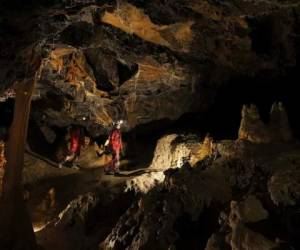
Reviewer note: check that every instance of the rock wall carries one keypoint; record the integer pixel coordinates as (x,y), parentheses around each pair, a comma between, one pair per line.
(171,151)
(245,190)
(138,61)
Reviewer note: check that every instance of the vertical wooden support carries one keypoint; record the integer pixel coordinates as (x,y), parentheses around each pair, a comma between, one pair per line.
(16,230)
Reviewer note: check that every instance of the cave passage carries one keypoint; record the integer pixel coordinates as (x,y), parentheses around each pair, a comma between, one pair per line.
(222,120)
(193,234)
(6,110)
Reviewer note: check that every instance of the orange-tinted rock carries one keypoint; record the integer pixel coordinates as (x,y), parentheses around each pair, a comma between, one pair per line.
(132,20)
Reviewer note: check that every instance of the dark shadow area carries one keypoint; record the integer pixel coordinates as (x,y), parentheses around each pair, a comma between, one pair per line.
(38,143)
(132,174)
(284,222)
(261,35)
(222,120)
(193,235)
(105,216)
(6,111)
(126,72)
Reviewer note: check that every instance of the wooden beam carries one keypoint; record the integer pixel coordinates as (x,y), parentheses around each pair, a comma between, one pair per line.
(16,230)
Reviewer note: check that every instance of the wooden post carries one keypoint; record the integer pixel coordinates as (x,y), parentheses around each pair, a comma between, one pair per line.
(16,230)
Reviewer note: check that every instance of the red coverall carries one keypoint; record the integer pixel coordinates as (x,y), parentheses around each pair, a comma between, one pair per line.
(115,142)
(77,140)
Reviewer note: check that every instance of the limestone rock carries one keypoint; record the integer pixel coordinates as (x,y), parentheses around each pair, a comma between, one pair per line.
(127,17)
(187,191)
(135,60)
(279,122)
(77,209)
(253,210)
(150,222)
(217,242)
(173,150)
(145,182)
(284,187)
(242,237)
(205,149)
(70,225)
(254,130)
(48,133)
(249,211)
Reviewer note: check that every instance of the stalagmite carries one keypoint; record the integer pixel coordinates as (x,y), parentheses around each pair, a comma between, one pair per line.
(254,130)
(279,122)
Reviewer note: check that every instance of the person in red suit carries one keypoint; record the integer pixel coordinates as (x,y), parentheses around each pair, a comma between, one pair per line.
(115,145)
(76,142)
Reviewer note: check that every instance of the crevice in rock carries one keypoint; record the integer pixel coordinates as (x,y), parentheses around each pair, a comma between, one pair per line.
(78,34)
(222,120)
(193,235)
(107,213)
(6,111)
(38,143)
(261,34)
(126,72)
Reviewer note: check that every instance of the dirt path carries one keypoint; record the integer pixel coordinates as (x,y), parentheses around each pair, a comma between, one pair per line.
(49,189)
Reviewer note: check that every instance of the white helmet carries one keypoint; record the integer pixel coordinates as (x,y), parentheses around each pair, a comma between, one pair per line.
(118,123)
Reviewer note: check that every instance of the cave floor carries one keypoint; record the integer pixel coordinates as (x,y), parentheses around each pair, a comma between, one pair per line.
(49,190)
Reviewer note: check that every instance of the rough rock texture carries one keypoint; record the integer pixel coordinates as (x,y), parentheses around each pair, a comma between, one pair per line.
(284,187)
(160,206)
(253,129)
(135,60)
(248,173)
(241,237)
(145,182)
(2,157)
(85,221)
(171,151)
(74,217)
(202,151)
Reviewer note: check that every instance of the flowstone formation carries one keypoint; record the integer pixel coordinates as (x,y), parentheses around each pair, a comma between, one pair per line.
(138,61)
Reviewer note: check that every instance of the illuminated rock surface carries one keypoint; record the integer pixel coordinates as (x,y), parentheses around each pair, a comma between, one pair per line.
(153,64)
